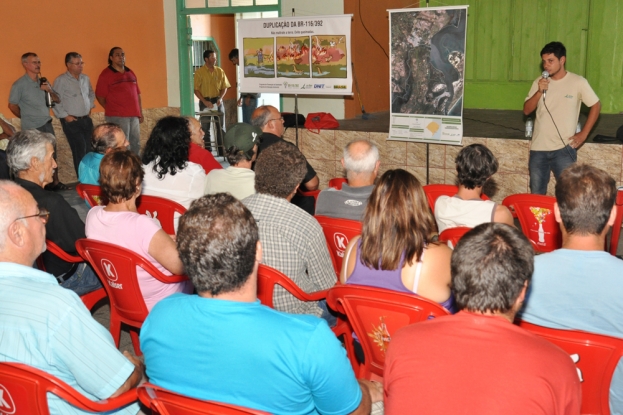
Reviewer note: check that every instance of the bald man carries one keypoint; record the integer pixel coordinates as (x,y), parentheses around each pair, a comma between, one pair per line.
(361,162)
(47,326)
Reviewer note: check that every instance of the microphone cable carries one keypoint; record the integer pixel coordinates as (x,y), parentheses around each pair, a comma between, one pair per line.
(575,159)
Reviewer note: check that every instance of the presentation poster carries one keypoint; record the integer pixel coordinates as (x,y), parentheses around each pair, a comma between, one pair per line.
(296,55)
(427,73)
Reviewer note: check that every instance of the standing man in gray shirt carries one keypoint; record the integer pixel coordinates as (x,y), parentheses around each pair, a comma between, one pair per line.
(27,101)
(77,99)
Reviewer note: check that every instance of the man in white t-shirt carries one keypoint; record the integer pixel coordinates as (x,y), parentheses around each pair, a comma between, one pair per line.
(475,164)
(557,99)
(240,150)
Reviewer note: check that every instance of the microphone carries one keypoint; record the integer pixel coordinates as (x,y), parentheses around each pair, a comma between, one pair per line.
(48,99)
(544,75)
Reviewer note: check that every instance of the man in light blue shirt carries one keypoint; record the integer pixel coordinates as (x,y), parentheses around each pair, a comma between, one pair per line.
(223,345)
(579,286)
(77,99)
(46,326)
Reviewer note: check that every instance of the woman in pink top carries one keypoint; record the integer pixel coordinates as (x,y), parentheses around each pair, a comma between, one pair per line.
(121,175)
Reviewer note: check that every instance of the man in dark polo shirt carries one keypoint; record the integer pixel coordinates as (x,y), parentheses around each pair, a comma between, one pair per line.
(27,101)
(118,92)
(269,119)
(30,158)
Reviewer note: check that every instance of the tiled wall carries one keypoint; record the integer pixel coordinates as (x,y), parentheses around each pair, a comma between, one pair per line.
(324,152)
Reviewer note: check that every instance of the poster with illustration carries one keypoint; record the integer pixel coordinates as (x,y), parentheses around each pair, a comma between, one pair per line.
(427,74)
(258,57)
(292,57)
(296,55)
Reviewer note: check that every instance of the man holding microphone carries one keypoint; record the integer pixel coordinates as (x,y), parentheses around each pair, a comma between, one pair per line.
(557,97)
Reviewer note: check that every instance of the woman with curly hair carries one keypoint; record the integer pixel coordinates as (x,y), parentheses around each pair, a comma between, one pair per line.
(168,173)
(396,250)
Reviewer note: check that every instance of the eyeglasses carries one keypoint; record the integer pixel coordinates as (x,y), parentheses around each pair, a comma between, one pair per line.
(77,63)
(275,119)
(43,214)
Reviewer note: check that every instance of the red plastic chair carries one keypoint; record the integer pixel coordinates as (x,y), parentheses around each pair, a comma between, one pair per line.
(451,236)
(116,268)
(536,216)
(433,191)
(91,194)
(375,314)
(616,227)
(268,277)
(164,402)
(89,299)
(338,233)
(595,356)
(163,210)
(337,182)
(23,390)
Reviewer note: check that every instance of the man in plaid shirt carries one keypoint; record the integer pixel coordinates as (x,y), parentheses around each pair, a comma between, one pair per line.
(292,239)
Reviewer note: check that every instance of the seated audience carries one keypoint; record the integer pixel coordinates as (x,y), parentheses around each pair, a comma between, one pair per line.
(121,175)
(269,119)
(292,239)
(232,349)
(196,152)
(168,173)
(240,150)
(477,361)
(578,287)
(105,137)
(396,250)
(475,164)
(361,162)
(30,157)
(46,326)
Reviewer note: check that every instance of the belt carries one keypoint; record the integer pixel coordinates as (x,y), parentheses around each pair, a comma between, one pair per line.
(67,275)
(79,117)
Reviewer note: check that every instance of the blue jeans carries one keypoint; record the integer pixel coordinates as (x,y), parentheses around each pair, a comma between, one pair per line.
(247,110)
(327,313)
(83,281)
(542,162)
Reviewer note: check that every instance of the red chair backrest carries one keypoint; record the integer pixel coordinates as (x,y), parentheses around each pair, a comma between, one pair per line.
(595,357)
(375,314)
(89,299)
(618,221)
(433,191)
(164,402)
(338,233)
(23,390)
(453,235)
(536,216)
(161,209)
(337,182)
(268,277)
(116,268)
(91,194)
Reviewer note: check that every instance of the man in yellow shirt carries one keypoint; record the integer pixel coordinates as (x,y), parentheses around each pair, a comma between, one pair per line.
(210,87)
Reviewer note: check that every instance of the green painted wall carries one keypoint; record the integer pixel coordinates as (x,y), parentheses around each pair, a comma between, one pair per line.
(504,38)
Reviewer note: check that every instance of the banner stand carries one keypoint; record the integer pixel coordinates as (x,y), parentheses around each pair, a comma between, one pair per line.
(296,117)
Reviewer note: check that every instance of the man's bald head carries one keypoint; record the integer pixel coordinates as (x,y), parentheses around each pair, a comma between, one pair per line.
(21,240)
(361,162)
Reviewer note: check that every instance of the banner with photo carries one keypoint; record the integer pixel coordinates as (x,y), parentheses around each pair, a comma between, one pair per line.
(296,55)
(427,72)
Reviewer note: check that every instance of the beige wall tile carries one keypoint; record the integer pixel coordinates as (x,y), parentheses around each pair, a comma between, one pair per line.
(512,155)
(506,184)
(325,169)
(606,157)
(437,156)
(416,155)
(474,140)
(419,173)
(318,146)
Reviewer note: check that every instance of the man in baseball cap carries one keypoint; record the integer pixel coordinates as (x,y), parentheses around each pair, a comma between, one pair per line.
(241,143)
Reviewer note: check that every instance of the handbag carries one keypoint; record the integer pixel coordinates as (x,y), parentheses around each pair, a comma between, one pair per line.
(317,121)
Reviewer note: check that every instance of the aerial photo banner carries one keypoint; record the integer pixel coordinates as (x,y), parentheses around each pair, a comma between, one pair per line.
(296,55)
(427,70)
